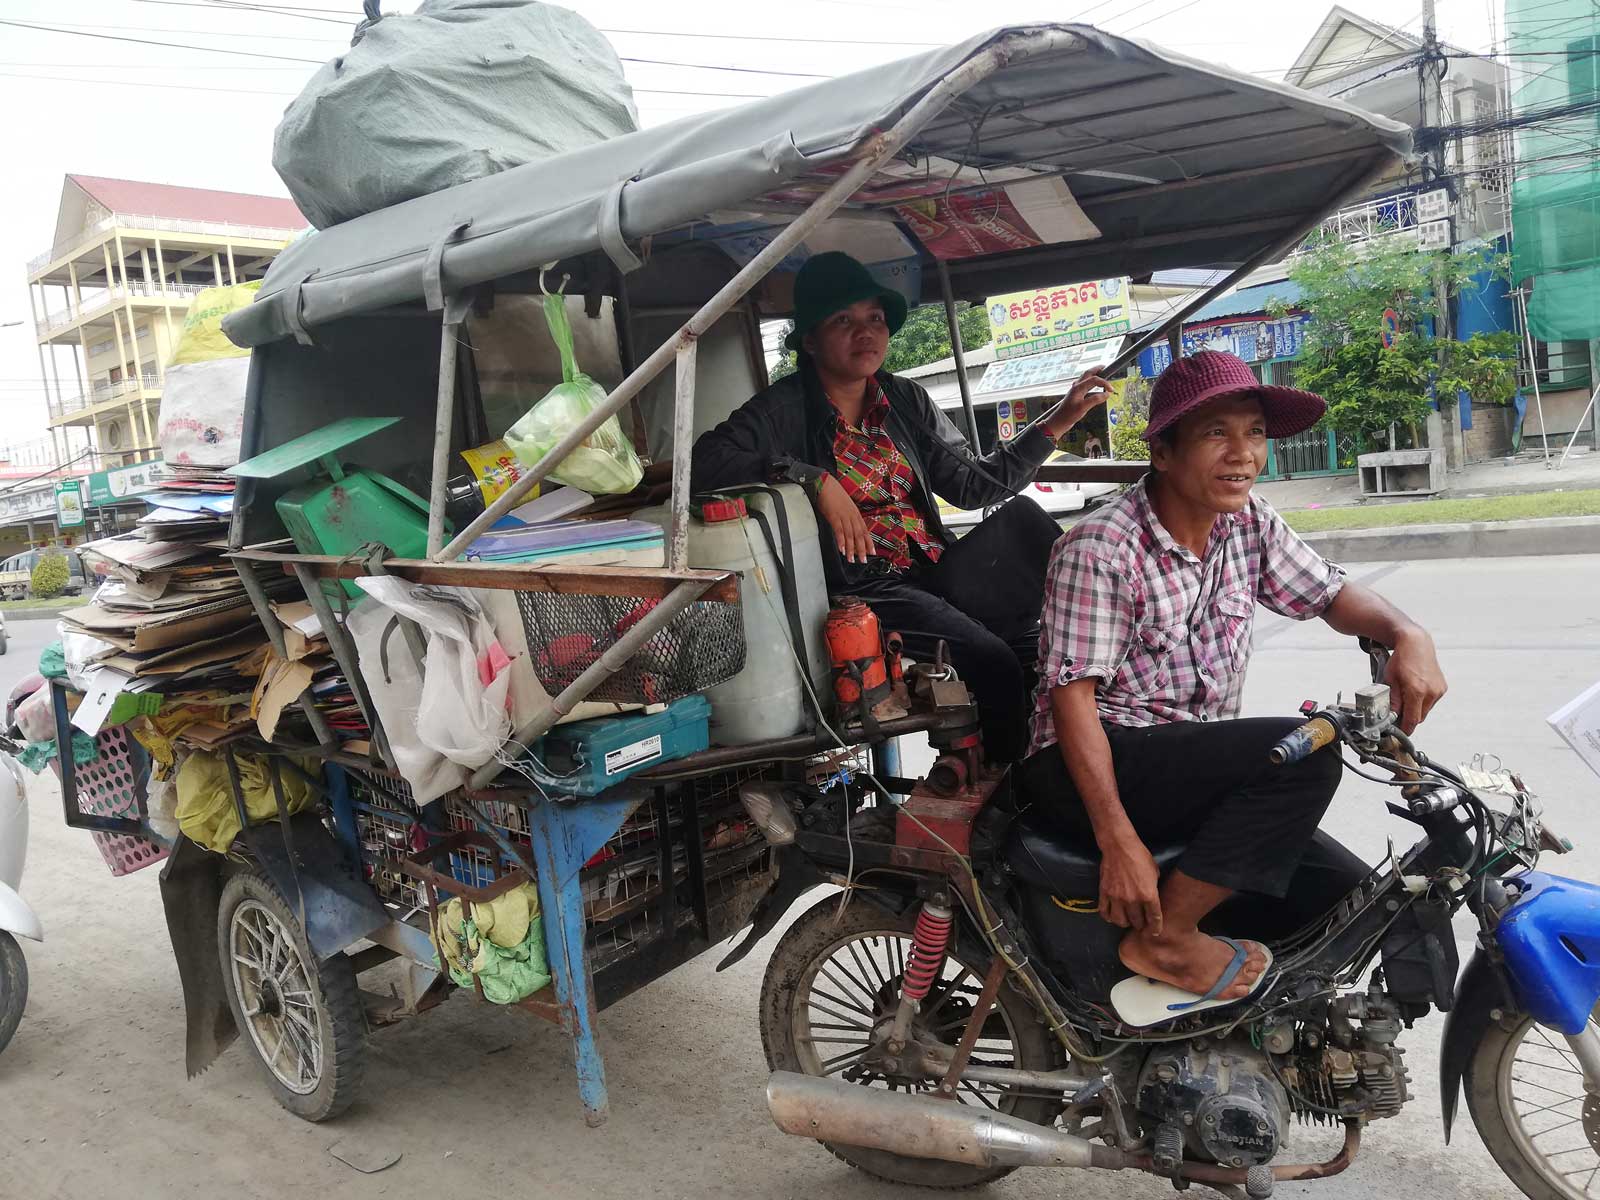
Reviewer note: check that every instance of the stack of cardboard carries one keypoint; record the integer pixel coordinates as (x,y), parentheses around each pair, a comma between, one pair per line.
(174,626)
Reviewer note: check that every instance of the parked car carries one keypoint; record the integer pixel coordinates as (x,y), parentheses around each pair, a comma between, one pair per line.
(1057,499)
(16,574)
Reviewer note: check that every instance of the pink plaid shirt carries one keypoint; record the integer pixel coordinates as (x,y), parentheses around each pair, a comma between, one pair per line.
(1166,633)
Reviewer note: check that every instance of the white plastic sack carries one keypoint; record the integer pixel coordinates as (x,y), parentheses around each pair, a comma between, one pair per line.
(202,412)
(36,716)
(447,716)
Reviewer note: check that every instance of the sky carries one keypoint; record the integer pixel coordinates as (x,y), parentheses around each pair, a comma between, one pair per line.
(202,113)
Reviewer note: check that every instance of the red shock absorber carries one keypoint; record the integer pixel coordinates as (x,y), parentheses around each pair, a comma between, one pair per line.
(928,942)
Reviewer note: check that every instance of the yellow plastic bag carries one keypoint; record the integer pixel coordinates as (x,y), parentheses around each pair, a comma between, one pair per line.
(202,339)
(205,810)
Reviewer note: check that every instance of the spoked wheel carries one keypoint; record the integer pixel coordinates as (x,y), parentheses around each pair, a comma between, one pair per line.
(1525,1091)
(828,998)
(301,1019)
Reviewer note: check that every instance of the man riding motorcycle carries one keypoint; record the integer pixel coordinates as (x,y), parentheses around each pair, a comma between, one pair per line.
(1146,638)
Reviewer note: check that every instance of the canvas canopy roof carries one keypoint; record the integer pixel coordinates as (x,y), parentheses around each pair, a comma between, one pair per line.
(1170,162)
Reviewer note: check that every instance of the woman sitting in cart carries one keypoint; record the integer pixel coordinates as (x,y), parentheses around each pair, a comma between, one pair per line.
(873,451)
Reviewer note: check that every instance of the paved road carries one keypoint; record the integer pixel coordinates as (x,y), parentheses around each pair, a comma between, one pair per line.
(481,1101)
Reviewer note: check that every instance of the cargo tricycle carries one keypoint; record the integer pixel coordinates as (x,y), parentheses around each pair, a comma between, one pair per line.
(940,1016)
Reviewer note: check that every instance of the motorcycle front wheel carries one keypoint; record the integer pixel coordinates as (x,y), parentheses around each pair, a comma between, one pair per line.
(13,986)
(1526,1095)
(832,982)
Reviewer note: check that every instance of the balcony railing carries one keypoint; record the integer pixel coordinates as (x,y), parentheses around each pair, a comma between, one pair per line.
(91,235)
(101,392)
(111,297)
(1418,218)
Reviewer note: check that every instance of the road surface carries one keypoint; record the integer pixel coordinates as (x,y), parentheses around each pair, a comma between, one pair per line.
(481,1102)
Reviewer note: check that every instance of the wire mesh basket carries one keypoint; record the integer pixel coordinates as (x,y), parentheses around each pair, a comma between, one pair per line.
(622,883)
(699,648)
(389,825)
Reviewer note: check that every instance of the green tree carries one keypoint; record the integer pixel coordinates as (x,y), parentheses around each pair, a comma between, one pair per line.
(1133,418)
(924,338)
(1347,287)
(49,576)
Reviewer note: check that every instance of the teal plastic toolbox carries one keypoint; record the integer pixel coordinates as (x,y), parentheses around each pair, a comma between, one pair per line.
(587,757)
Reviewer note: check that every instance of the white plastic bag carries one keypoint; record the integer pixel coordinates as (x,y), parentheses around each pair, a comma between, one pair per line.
(36,716)
(161,807)
(80,650)
(448,715)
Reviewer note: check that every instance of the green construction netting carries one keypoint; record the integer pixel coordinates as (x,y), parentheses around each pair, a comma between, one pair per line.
(1555,86)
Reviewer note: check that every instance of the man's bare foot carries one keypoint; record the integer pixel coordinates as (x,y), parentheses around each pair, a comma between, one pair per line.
(1193,961)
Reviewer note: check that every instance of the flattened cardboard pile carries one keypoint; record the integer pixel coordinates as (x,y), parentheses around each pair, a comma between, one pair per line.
(173,622)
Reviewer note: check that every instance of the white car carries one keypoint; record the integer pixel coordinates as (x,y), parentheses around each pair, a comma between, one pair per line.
(1057,499)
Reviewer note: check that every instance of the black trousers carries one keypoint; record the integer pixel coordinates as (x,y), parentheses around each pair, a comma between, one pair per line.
(999,674)
(1247,824)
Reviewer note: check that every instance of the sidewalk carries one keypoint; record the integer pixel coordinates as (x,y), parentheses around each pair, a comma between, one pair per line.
(1501,477)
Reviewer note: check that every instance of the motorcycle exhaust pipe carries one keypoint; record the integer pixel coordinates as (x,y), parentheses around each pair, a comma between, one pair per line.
(832,1110)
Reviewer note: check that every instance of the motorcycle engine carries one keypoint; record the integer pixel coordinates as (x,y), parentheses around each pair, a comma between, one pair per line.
(1216,1097)
(1347,1065)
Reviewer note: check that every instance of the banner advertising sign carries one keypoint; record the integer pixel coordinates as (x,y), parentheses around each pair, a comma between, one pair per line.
(69,503)
(1047,319)
(122,483)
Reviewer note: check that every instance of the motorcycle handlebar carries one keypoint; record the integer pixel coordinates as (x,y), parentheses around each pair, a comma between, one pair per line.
(1303,742)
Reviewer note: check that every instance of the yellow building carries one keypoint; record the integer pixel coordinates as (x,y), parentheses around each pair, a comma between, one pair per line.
(113,290)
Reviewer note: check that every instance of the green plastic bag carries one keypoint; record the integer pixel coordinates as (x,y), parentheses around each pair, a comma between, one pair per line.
(500,943)
(604,462)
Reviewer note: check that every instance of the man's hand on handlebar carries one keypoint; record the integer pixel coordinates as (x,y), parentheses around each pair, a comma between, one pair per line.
(1416,682)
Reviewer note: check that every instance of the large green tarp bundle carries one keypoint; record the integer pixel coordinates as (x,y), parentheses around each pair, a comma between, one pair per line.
(1555,51)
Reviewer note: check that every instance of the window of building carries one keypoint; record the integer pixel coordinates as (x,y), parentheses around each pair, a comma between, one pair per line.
(1277,374)
(105,347)
(1562,365)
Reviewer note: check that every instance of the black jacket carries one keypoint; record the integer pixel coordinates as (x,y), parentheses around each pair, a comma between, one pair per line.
(785,434)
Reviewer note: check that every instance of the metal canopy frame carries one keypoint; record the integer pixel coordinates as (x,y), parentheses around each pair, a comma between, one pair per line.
(680,349)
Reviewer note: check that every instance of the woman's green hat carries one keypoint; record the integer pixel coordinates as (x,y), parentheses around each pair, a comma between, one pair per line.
(834,281)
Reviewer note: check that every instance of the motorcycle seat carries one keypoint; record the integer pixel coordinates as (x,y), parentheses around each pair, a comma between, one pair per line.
(1066,866)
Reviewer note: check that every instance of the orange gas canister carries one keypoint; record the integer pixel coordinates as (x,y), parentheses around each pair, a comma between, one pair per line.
(855,649)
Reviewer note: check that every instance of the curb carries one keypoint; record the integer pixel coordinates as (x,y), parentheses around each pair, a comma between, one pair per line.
(1477,539)
(34,614)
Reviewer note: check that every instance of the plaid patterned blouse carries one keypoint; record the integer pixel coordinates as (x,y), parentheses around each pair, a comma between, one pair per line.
(877,477)
(1167,633)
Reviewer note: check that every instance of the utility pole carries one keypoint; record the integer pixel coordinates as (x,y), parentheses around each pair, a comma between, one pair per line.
(1444,426)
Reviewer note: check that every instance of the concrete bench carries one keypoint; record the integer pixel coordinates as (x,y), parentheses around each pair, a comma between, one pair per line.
(1401,472)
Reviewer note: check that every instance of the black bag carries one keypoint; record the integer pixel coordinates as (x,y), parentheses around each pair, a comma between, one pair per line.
(995,574)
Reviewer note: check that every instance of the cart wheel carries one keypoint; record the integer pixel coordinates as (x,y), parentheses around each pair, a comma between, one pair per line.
(301,1019)
(13,986)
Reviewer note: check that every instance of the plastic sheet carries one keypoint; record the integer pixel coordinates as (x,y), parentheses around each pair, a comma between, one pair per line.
(457,90)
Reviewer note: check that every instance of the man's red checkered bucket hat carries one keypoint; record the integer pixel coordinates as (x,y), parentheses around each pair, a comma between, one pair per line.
(1211,374)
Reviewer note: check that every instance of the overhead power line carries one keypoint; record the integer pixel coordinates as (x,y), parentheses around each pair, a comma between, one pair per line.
(112,37)
(199,87)
(271,10)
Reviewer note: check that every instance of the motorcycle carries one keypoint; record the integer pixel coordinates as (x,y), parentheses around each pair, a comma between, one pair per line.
(948,1017)
(16,918)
